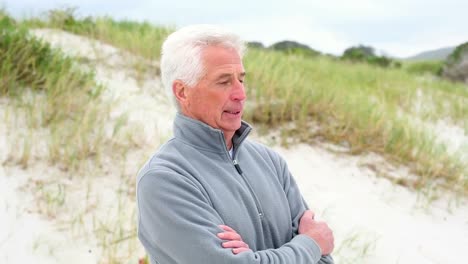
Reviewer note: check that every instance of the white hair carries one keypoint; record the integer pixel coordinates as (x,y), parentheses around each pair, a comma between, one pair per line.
(181,53)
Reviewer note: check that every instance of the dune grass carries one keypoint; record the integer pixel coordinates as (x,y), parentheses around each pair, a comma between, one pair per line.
(368,108)
(424,67)
(139,38)
(51,93)
(355,247)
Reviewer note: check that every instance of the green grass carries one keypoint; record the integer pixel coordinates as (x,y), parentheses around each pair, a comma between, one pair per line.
(51,92)
(424,67)
(139,38)
(370,108)
(356,247)
(62,108)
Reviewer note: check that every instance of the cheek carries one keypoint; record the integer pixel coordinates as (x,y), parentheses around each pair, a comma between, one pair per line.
(204,106)
(209,102)
(216,100)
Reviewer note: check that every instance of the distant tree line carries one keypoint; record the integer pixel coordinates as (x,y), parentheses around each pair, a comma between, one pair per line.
(455,67)
(288,47)
(358,54)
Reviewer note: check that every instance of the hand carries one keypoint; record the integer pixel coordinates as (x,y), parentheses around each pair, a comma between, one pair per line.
(318,231)
(234,240)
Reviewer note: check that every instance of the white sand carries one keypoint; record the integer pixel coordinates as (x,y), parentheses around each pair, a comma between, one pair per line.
(27,236)
(114,69)
(445,131)
(390,220)
(373,220)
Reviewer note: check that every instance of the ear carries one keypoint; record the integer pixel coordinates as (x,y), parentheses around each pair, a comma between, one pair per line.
(180,91)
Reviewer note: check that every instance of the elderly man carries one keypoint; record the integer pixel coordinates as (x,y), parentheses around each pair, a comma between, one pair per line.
(210,195)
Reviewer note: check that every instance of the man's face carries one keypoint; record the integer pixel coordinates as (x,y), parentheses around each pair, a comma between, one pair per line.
(218,98)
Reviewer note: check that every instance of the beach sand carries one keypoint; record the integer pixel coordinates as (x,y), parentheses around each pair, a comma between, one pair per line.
(50,216)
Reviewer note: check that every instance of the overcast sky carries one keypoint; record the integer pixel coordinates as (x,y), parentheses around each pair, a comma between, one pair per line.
(397,27)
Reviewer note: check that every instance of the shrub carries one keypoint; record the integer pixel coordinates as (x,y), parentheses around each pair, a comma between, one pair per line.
(295,48)
(456,65)
(255,44)
(366,54)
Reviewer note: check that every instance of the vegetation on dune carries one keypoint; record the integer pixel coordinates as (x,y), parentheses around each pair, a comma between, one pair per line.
(425,67)
(28,62)
(64,98)
(456,66)
(142,39)
(453,68)
(294,48)
(457,54)
(292,89)
(367,54)
(371,109)
(55,113)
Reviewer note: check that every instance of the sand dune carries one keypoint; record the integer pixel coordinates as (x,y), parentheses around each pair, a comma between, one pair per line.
(374,221)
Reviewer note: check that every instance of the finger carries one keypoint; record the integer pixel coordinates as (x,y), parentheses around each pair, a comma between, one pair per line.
(235,244)
(308,214)
(312,214)
(229,236)
(227,228)
(239,250)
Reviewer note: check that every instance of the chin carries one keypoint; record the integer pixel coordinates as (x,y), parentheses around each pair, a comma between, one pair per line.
(232,127)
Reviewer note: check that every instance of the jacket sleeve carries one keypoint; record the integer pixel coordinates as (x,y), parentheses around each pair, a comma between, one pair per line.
(177,224)
(297,204)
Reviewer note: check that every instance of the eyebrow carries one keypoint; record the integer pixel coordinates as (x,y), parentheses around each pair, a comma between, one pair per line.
(228,75)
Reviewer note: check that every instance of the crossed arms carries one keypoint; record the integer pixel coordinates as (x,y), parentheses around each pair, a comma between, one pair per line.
(182,227)
(317,230)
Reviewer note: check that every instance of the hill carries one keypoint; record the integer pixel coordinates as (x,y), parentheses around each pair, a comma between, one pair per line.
(437,54)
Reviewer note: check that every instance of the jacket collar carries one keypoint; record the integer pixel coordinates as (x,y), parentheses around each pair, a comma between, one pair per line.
(203,136)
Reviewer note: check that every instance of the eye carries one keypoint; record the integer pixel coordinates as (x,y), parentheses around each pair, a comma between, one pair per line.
(241,80)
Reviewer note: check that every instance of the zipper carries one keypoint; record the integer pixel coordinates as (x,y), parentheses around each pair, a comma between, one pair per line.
(257,202)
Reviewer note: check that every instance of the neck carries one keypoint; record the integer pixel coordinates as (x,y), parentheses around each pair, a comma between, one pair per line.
(228,138)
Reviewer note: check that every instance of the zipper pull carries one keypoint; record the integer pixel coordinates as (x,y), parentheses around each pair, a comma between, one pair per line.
(237,166)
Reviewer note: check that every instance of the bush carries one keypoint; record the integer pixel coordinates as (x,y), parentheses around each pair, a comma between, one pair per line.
(456,65)
(457,54)
(359,53)
(366,54)
(255,45)
(295,48)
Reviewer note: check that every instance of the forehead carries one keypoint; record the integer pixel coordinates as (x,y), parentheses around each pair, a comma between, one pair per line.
(221,59)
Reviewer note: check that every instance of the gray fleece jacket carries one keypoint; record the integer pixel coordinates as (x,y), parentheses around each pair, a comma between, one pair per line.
(192,185)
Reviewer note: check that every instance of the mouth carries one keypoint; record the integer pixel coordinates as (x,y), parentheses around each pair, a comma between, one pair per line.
(232,113)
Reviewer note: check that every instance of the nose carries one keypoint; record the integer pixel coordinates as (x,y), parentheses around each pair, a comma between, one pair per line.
(238,91)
